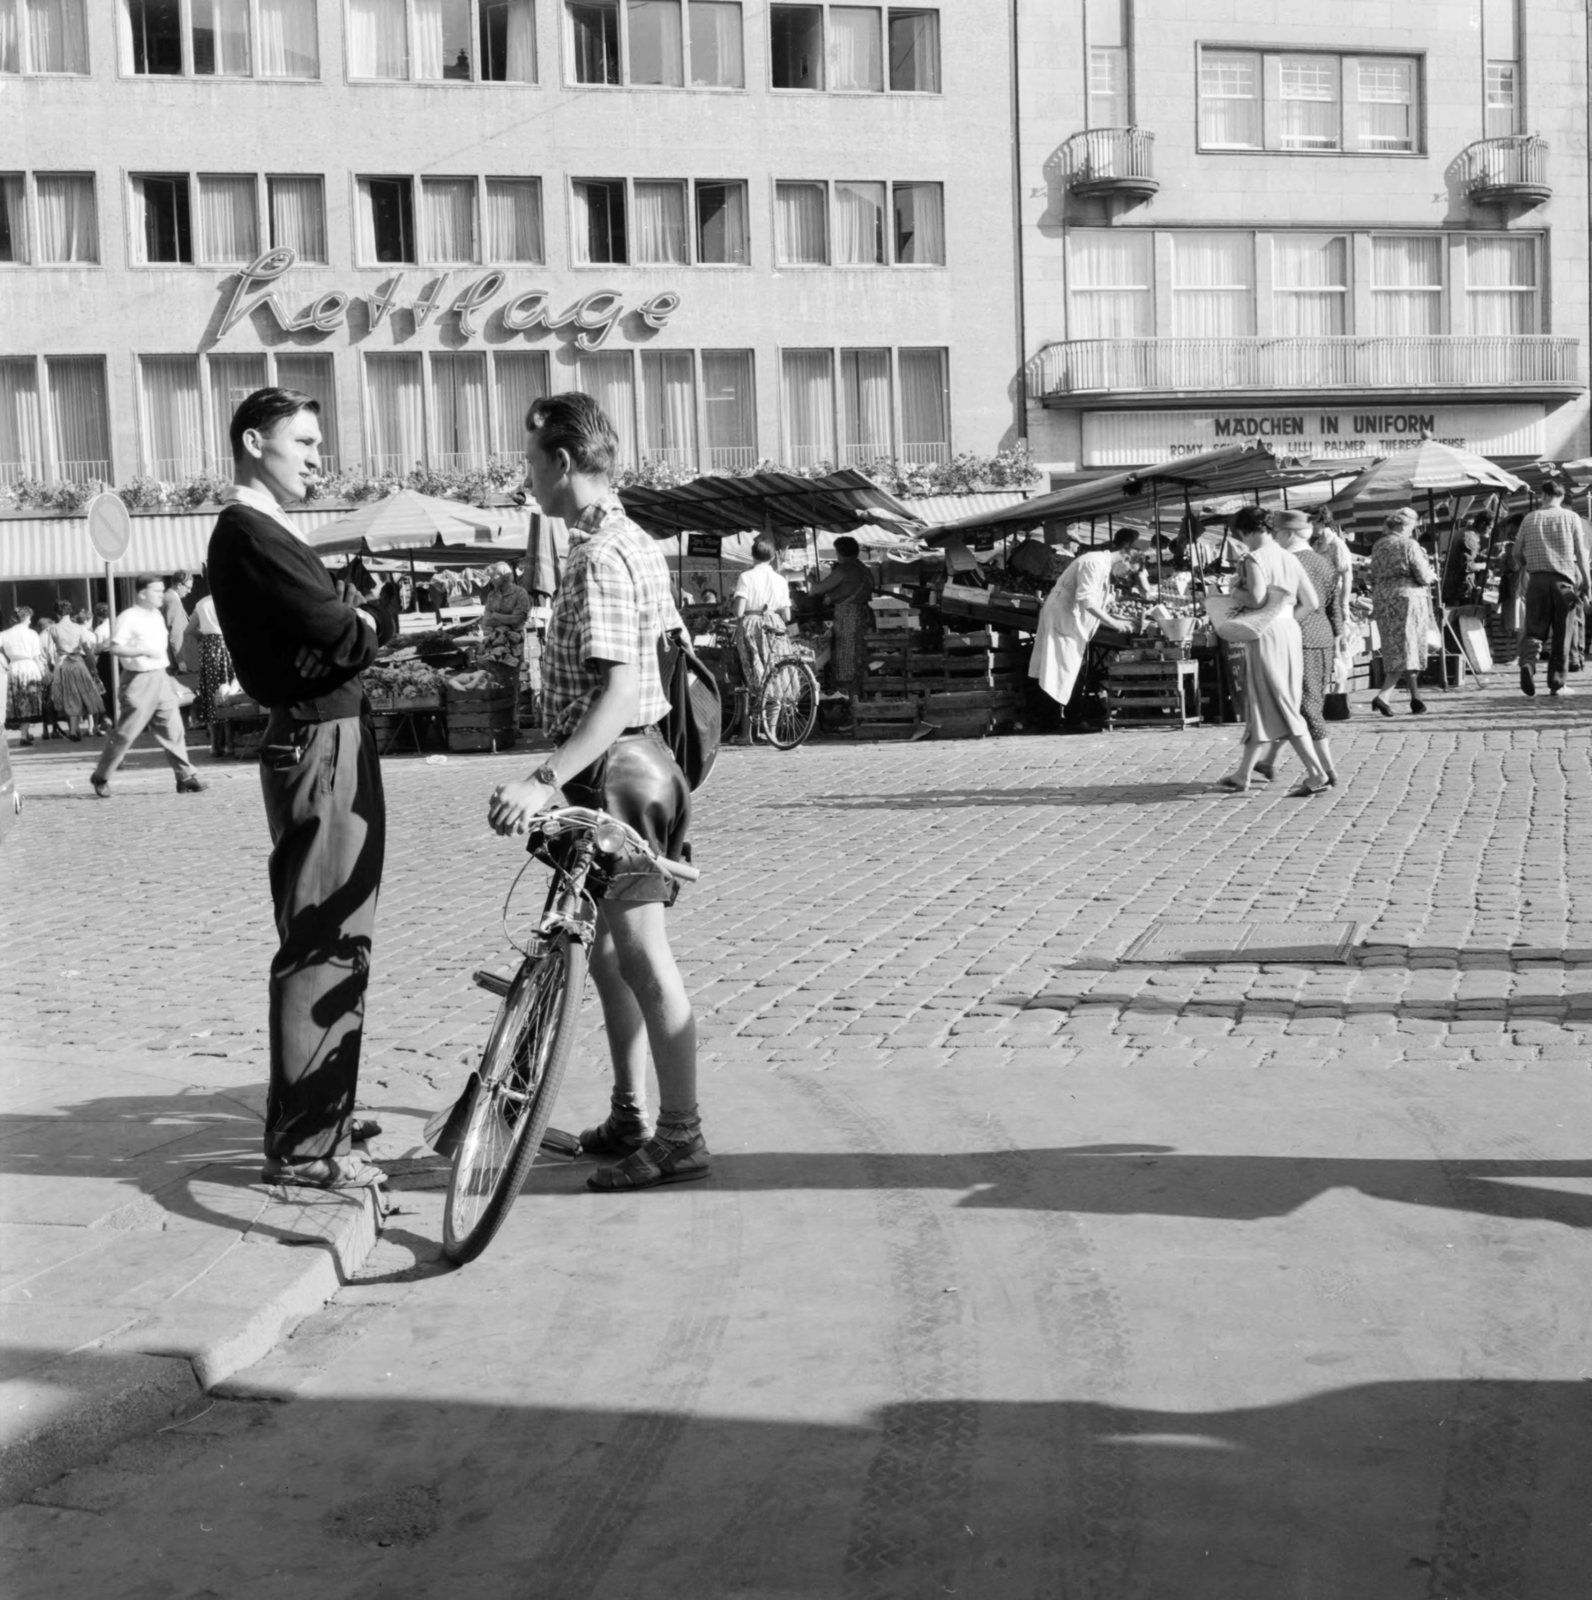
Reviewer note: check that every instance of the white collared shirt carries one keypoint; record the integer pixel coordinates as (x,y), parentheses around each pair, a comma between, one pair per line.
(258,500)
(145,630)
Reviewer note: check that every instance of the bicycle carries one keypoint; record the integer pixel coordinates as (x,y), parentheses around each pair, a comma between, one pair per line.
(509,1100)
(782,705)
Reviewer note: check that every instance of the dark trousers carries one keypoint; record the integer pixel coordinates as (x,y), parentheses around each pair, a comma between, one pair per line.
(328,820)
(1550,602)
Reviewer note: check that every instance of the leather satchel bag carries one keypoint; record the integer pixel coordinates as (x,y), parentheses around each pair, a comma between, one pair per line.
(1240,625)
(694,722)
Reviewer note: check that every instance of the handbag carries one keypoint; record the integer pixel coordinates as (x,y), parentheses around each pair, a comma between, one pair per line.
(1244,626)
(1335,707)
(694,722)
(185,697)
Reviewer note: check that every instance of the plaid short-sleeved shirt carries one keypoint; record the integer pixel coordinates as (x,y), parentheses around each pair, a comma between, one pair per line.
(612,604)
(1551,541)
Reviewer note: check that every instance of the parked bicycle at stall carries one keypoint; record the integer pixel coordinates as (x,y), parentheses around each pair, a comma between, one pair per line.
(780,705)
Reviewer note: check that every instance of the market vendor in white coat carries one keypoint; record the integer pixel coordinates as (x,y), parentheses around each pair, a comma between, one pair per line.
(1075,610)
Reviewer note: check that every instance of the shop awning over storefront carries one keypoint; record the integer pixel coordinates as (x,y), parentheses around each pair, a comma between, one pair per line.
(781,501)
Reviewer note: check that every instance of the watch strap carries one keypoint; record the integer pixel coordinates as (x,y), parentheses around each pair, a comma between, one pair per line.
(545,774)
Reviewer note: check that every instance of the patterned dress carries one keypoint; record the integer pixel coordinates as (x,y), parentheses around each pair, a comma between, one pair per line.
(24,656)
(1400,604)
(74,689)
(1319,635)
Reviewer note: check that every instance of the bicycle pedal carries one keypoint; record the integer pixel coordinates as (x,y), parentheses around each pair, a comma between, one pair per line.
(555,1142)
(493,982)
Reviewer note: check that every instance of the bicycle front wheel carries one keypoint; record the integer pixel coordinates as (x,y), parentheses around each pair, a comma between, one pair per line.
(521,1069)
(787,709)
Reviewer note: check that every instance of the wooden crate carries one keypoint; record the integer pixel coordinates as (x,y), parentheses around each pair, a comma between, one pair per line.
(1153,694)
(485,723)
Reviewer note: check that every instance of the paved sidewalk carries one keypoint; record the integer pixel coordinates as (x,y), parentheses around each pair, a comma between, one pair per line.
(888,913)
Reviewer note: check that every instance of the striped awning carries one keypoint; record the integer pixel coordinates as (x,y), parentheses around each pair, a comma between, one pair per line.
(932,510)
(784,502)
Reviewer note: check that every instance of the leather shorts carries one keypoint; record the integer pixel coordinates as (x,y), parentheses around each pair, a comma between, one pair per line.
(638,782)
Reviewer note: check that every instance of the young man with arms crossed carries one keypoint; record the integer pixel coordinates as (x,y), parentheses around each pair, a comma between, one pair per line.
(298,642)
(604,697)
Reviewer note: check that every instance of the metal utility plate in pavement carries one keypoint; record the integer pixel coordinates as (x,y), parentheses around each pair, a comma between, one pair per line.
(1211,943)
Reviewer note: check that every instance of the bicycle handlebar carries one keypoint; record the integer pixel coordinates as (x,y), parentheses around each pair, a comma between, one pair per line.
(581,817)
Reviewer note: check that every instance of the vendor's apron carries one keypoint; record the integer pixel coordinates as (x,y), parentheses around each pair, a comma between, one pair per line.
(1061,642)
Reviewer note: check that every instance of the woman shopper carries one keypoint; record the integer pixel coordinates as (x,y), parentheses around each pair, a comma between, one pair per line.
(74,688)
(23,651)
(1274,663)
(848,586)
(761,608)
(215,664)
(1401,606)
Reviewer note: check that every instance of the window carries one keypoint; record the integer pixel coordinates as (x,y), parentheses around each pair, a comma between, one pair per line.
(801,234)
(807,394)
(13,218)
(220,38)
(442,41)
(609,378)
(925,406)
(68,217)
(658,43)
(173,417)
(514,220)
(721,224)
(919,224)
(43,36)
(1213,285)
(1310,284)
(915,52)
(315,375)
(1503,99)
(796,46)
(519,377)
(297,208)
(386,221)
(1501,285)
(668,407)
(80,426)
(660,236)
(160,219)
(229,232)
(232,380)
(1110,283)
(864,406)
(21,441)
(1407,283)
(729,409)
(859,224)
(1260,100)
(395,429)
(447,220)
(856,55)
(1108,88)
(598,222)
(458,410)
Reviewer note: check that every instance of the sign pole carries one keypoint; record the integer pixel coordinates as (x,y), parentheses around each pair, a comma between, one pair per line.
(116,663)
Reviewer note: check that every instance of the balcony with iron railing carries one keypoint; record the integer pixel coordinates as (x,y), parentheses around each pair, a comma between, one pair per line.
(1103,369)
(1512,170)
(1107,163)
(732,457)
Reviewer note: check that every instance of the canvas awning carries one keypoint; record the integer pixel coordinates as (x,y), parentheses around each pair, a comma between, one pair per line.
(784,502)
(426,527)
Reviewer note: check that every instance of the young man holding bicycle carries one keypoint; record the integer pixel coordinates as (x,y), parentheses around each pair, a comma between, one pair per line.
(603,697)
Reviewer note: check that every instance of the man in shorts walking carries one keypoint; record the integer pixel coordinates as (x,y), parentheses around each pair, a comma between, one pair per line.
(603,697)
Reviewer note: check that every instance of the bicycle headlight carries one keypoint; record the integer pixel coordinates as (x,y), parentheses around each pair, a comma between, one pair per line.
(552,828)
(610,838)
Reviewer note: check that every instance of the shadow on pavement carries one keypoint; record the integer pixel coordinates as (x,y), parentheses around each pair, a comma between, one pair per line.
(1086,794)
(1375,1491)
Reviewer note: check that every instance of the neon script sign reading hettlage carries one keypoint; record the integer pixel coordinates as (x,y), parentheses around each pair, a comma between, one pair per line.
(593,316)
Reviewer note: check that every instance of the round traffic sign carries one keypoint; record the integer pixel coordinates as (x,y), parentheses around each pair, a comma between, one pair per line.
(110,529)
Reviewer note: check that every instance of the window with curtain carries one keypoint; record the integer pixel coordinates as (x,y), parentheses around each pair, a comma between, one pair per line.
(1384,111)
(21,438)
(925,405)
(152,37)
(447,219)
(721,224)
(729,410)
(807,397)
(395,430)
(441,40)
(290,44)
(315,375)
(1230,104)
(1308,116)
(656,49)
(598,222)
(161,225)
(1407,283)
(297,207)
(1110,283)
(1502,99)
(859,224)
(609,378)
(1213,285)
(856,55)
(80,413)
(801,235)
(232,380)
(458,410)
(796,46)
(593,40)
(220,38)
(378,39)
(173,417)
(919,224)
(659,233)
(915,52)
(514,220)
(1501,285)
(518,378)
(717,55)
(864,406)
(386,221)
(1310,285)
(229,230)
(1108,87)
(508,41)
(43,36)
(668,407)
(13,218)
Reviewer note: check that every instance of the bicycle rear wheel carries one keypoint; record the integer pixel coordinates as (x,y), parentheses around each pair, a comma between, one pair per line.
(521,1069)
(787,709)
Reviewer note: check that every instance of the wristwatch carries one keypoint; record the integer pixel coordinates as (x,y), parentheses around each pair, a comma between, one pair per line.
(545,774)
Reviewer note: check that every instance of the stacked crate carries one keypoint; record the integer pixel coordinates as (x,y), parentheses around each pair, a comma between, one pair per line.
(479,721)
(957,686)
(1153,688)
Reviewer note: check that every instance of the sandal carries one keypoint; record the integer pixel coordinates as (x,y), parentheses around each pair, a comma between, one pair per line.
(339,1174)
(1305,790)
(1262,775)
(654,1163)
(362,1130)
(620,1134)
(1231,783)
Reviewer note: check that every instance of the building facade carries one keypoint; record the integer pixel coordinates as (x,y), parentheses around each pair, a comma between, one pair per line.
(757,232)
(1331,226)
